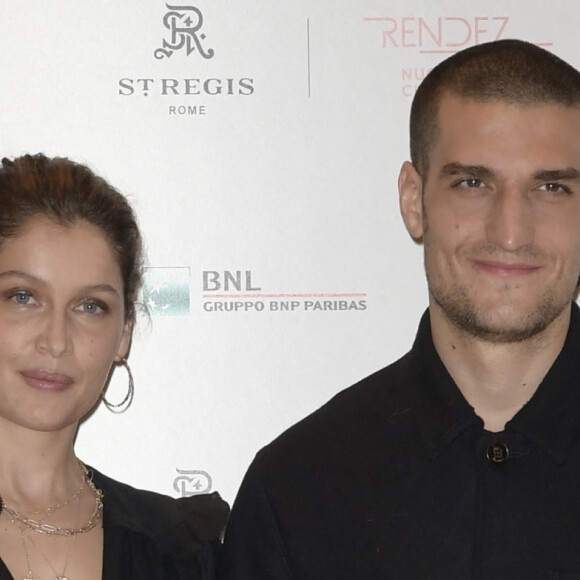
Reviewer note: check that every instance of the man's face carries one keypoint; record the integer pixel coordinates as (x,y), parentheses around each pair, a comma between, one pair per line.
(499,214)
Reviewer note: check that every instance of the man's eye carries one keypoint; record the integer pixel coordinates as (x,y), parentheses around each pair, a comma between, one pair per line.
(555,188)
(471,182)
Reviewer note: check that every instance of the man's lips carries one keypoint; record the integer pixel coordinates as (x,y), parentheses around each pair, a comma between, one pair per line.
(47,380)
(507,269)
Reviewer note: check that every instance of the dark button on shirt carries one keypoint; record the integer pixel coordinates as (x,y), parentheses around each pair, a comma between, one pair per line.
(389,480)
(497,452)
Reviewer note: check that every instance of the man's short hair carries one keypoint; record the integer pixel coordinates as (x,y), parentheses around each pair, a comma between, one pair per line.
(512,71)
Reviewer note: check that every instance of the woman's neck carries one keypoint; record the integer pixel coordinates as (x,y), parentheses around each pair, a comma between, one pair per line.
(37,469)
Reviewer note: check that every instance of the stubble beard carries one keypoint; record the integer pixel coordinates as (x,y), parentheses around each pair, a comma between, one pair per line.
(460,308)
(462,312)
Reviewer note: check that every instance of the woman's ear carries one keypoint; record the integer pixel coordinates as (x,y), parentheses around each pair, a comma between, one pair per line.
(411,200)
(125,342)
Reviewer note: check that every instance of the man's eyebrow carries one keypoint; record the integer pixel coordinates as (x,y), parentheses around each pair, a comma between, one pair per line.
(455,168)
(568,174)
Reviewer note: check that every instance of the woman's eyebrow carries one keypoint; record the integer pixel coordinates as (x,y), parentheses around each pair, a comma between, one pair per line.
(20,274)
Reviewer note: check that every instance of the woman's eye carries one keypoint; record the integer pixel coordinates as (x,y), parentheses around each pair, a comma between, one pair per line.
(21,297)
(91,307)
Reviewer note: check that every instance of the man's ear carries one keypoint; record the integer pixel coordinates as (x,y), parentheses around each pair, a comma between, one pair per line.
(411,200)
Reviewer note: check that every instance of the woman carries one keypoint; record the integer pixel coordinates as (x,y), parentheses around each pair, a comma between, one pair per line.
(70,270)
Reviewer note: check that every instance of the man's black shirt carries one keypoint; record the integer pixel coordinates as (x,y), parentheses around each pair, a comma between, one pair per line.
(396,478)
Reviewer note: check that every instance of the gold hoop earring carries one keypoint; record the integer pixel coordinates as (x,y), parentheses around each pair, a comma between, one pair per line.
(126,402)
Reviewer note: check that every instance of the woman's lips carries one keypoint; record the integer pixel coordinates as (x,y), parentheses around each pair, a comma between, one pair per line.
(47,380)
(506,268)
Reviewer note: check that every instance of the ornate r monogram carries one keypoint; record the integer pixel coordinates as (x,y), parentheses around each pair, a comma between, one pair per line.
(183,23)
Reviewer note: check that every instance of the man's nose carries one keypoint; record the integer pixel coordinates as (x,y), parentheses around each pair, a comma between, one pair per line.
(510,221)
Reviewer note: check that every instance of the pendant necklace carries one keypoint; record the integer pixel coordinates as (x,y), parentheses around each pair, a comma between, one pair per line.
(57,576)
(73,536)
(26,524)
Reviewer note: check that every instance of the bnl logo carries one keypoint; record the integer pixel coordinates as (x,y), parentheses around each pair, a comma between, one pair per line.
(183,24)
(166,291)
(228,280)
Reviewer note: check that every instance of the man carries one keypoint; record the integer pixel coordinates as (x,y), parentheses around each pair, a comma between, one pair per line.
(462,459)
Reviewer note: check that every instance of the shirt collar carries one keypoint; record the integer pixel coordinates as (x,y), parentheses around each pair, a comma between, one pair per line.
(441,410)
(550,419)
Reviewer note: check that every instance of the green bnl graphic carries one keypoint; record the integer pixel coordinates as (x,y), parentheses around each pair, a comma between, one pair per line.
(166,291)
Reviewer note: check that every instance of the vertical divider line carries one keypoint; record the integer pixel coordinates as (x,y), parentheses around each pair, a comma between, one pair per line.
(308,51)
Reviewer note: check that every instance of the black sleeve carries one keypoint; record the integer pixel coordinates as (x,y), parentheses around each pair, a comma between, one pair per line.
(254,547)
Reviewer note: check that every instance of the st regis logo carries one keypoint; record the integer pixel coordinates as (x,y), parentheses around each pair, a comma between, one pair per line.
(184,24)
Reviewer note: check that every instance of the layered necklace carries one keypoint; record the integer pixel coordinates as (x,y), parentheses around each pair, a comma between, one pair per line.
(26,523)
(57,576)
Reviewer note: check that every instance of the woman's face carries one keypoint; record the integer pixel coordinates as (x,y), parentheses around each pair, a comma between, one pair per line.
(62,323)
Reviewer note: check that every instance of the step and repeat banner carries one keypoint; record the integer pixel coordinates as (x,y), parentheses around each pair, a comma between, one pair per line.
(260,144)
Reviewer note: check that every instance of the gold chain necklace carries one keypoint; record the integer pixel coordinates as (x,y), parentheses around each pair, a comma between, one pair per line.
(48,529)
(52,508)
(57,576)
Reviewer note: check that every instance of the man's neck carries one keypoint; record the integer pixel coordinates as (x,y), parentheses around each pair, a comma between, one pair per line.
(497,379)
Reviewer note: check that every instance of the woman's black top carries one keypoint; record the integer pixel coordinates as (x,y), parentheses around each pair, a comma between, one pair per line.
(149,536)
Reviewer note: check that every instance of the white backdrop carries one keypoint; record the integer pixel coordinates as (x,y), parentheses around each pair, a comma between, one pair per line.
(264,152)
